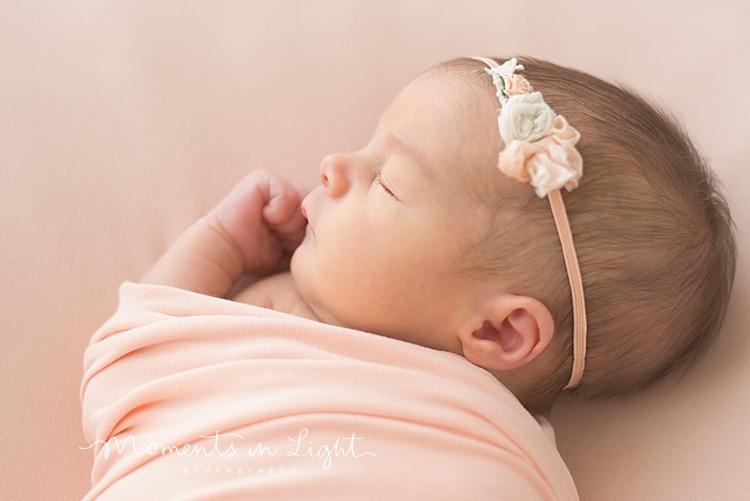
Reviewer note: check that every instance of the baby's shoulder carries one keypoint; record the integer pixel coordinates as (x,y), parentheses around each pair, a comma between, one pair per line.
(277,292)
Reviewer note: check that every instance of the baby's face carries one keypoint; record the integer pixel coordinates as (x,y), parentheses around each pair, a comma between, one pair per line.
(390,224)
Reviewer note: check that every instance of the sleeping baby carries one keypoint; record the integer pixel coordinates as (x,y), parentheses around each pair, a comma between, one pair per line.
(512,231)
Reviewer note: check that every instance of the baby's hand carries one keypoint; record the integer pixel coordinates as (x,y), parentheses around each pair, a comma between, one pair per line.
(254,229)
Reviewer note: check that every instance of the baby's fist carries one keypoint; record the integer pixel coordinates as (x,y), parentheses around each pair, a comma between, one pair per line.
(254,230)
(261,218)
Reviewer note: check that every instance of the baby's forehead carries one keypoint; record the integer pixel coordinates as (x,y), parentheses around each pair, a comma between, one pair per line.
(450,98)
(471,107)
(447,117)
(469,94)
(470,86)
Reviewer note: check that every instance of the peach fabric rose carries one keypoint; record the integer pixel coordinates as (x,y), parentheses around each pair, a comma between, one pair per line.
(516,84)
(551,163)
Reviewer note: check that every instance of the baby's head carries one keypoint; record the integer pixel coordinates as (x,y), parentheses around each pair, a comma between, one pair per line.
(420,237)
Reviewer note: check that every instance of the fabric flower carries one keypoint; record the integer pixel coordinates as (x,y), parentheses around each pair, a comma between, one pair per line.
(500,75)
(551,163)
(525,117)
(507,68)
(516,84)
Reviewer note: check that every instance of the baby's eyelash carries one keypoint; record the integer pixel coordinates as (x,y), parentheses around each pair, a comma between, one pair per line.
(377,180)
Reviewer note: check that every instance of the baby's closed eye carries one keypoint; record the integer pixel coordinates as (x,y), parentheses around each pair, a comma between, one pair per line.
(379,181)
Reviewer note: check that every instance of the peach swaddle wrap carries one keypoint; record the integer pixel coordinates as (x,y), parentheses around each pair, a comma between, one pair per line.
(189,397)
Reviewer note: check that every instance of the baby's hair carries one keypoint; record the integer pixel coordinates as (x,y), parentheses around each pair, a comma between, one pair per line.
(653,234)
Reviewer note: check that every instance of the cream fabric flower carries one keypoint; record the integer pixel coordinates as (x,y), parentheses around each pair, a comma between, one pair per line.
(551,163)
(525,117)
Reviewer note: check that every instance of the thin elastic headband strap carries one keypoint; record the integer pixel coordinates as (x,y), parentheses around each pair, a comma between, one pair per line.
(570,256)
(576,286)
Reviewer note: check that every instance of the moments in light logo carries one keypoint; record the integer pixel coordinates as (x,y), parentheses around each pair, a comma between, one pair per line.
(301,446)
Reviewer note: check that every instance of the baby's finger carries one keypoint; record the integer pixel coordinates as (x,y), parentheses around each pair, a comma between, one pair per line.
(240,215)
(212,255)
(283,213)
(284,201)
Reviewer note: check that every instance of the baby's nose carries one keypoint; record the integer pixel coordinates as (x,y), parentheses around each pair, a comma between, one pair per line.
(334,173)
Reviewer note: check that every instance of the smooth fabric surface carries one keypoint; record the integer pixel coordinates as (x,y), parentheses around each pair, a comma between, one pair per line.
(275,398)
(123,122)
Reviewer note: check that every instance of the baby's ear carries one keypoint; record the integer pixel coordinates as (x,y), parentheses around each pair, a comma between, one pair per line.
(508,332)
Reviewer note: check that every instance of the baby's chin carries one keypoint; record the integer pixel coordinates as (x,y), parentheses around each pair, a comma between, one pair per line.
(299,271)
(305,285)
(294,267)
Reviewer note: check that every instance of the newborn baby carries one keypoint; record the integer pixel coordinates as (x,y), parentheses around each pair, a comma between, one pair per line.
(420,237)
(452,278)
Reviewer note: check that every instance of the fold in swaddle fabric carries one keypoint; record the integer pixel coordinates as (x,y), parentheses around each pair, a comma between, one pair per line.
(192,397)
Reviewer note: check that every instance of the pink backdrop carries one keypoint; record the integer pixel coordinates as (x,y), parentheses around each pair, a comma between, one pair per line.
(123,122)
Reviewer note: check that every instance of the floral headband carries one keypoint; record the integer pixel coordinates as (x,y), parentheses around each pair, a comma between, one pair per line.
(540,150)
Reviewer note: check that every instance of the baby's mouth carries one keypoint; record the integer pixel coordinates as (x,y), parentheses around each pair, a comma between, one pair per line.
(304,213)
(303,209)
(303,205)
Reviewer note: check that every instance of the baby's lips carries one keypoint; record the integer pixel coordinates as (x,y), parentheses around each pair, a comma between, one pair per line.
(303,209)
(307,201)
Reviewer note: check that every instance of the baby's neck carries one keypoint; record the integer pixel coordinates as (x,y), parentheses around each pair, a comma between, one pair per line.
(277,292)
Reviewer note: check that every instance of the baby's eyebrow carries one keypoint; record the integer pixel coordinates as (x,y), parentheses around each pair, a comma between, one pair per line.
(394,143)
